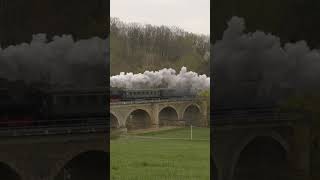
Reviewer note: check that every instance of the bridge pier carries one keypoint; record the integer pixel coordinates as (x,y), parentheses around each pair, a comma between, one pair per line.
(300,152)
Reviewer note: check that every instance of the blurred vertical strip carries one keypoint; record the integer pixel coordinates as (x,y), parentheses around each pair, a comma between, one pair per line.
(107,17)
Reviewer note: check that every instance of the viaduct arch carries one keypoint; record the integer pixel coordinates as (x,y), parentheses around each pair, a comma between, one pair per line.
(263,155)
(168,116)
(272,146)
(9,173)
(84,166)
(138,119)
(159,113)
(54,157)
(192,114)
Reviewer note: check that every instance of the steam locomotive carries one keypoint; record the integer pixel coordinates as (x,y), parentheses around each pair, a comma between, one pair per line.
(118,94)
(34,105)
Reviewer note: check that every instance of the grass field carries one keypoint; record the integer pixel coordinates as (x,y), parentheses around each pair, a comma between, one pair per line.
(135,158)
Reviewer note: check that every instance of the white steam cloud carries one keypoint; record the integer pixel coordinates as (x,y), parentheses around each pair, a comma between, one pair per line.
(62,60)
(164,78)
(261,58)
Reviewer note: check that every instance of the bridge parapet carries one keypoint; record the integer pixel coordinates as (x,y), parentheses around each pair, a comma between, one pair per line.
(254,116)
(54,127)
(155,101)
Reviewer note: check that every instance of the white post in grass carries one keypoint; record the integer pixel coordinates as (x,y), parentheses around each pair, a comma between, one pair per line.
(191,132)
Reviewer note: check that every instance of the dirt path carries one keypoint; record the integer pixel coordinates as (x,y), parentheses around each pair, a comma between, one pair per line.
(141,131)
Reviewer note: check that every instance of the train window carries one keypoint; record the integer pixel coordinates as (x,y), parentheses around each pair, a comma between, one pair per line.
(86,98)
(73,99)
(76,99)
(96,98)
(65,100)
(58,100)
(93,99)
(79,99)
(102,99)
(54,100)
(316,143)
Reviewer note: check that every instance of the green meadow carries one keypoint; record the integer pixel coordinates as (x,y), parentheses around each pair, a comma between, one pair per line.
(162,155)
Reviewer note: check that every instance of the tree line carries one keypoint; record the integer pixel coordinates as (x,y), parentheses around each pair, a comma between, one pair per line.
(137,47)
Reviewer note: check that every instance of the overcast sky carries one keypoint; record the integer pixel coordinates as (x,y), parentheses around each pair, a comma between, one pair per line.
(190,15)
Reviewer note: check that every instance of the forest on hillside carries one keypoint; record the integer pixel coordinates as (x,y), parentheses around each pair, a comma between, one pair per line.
(138,47)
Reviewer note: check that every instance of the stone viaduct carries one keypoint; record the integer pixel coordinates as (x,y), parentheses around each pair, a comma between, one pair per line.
(155,113)
(81,152)
(55,154)
(263,145)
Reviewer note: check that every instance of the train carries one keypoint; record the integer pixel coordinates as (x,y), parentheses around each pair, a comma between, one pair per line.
(122,94)
(41,105)
(32,105)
